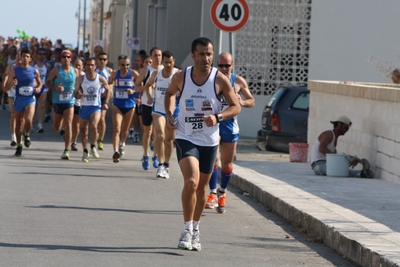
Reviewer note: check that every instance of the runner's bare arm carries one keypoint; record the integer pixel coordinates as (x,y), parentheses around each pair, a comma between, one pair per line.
(39,83)
(5,78)
(11,80)
(77,93)
(224,87)
(139,82)
(49,82)
(242,88)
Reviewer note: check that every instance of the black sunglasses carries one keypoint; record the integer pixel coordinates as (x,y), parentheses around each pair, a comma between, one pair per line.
(124,65)
(224,65)
(42,54)
(66,57)
(102,58)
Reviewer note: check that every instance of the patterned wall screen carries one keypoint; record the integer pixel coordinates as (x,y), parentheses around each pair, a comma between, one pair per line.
(273,47)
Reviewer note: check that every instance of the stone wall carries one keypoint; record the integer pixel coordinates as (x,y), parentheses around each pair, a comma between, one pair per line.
(375,112)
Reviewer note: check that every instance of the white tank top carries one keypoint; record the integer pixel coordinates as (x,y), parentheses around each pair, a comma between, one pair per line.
(43,72)
(91,90)
(316,155)
(195,102)
(144,97)
(162,84)
(11,61)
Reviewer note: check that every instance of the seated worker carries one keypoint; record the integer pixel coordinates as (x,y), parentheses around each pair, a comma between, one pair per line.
(396,76)
(326,144)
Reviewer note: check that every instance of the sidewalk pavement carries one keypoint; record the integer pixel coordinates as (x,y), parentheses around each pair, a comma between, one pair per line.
(359,218)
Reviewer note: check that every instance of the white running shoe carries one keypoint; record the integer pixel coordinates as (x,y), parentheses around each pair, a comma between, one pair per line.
(185,242)
(85,157)
(160,171)
(196,245)
(94,153)
(121,150)
(166,173)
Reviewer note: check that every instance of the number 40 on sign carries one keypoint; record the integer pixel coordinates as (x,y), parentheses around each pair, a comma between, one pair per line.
(229,15)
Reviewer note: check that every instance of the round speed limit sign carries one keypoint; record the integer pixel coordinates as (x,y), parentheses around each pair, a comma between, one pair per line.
(229,15)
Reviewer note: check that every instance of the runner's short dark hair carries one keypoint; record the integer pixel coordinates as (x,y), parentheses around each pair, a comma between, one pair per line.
(203,41)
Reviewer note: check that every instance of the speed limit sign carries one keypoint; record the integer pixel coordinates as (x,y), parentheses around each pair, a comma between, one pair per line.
(229,15)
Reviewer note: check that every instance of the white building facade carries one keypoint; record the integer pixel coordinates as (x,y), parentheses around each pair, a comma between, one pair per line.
(283,42)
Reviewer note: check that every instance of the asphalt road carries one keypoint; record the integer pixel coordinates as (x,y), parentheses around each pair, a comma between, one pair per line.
(69,213)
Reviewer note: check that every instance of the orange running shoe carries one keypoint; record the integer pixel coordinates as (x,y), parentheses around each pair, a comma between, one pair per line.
(221,202)
(212,201)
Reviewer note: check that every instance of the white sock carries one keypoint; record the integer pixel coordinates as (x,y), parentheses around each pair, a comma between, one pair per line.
(40,125)
(196,225)
(188,226)
(214,191)
(131,129)
(13,136)
(122,144)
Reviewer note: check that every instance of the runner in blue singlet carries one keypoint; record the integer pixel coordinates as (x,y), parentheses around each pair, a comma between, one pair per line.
(229,135)
(24,77)
(123,105)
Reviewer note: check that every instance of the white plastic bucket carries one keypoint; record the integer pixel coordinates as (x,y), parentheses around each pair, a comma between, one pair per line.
(337,165)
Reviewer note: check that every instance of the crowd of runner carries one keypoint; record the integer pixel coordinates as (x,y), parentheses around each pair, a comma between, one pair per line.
(75,90)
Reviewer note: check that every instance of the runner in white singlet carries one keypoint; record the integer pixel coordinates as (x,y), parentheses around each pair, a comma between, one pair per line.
(201,88)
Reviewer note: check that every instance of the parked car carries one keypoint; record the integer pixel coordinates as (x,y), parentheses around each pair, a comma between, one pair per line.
(285,118)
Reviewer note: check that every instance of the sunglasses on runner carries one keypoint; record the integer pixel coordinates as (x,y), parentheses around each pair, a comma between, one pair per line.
(124,65)
(224,65)
(66,57)
(102,58)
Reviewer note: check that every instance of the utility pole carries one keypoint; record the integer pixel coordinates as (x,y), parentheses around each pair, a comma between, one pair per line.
(135,22)
(79,22)
(101,19)
(84,25)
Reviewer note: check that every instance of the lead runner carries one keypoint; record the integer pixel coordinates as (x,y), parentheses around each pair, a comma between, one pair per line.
(201,87)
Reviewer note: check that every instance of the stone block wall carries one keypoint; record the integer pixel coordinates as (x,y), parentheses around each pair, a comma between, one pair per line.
(375,112)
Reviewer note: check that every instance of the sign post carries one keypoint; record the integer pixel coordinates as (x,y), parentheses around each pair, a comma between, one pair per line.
(229,16)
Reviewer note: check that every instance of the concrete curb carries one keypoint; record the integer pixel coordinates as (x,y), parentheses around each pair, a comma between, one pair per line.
(341,242)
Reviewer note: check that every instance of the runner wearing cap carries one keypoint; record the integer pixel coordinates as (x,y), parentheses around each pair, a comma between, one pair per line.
(62,83)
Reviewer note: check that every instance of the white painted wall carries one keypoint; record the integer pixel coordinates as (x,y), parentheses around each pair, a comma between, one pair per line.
(346,34)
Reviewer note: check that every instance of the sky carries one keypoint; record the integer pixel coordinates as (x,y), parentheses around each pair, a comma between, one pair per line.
(54,19)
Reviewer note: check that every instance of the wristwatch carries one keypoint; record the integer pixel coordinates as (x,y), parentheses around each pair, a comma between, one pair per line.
(218,117)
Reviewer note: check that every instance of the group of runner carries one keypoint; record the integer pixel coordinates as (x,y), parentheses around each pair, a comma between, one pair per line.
(80,91)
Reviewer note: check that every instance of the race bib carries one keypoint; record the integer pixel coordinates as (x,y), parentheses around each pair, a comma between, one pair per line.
(121,94)
(91,100)
(194,125)
(65,96)
(26,90)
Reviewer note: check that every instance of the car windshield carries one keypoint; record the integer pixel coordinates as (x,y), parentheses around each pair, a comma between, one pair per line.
(275,97)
